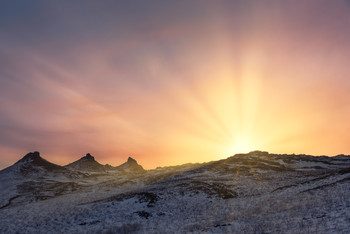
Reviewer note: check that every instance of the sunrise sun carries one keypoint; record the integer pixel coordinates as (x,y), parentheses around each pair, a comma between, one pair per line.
(242,146)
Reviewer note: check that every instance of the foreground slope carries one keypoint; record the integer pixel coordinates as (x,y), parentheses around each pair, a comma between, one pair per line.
(255,192)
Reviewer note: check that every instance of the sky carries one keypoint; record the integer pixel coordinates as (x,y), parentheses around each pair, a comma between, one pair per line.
(172,82)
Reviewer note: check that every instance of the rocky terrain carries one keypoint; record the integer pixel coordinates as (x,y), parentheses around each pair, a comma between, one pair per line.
(256,192)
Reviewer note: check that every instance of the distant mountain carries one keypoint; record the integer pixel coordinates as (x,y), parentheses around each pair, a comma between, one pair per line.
(87,163)
(130,166)
(33,178)
(33,163)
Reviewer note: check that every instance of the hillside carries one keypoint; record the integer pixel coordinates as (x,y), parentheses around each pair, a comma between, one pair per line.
(252,193)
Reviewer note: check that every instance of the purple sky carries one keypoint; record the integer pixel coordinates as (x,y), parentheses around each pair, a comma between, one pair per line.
(171,82)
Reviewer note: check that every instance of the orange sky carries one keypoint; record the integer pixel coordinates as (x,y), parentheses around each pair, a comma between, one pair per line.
(170,83)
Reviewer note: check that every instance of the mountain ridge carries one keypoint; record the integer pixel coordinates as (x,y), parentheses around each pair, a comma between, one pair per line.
(91,159)
(85,163)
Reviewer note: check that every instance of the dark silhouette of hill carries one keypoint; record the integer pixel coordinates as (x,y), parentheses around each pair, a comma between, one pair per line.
(86,163)
(131,166)
(33,163)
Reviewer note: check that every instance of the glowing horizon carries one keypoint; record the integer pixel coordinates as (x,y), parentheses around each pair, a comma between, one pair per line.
(170,82)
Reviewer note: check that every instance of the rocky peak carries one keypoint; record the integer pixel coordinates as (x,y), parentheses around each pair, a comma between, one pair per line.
(131,166)
(131,160)
(31,156)
(88,157)
(34,163)
(87,163)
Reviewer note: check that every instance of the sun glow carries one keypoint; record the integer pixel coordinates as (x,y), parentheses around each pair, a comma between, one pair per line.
(219,81)
(242,146)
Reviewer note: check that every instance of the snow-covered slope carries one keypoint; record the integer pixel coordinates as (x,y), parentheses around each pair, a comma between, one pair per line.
(247,193)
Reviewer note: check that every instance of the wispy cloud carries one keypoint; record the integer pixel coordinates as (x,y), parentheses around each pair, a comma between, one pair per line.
(172,81)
